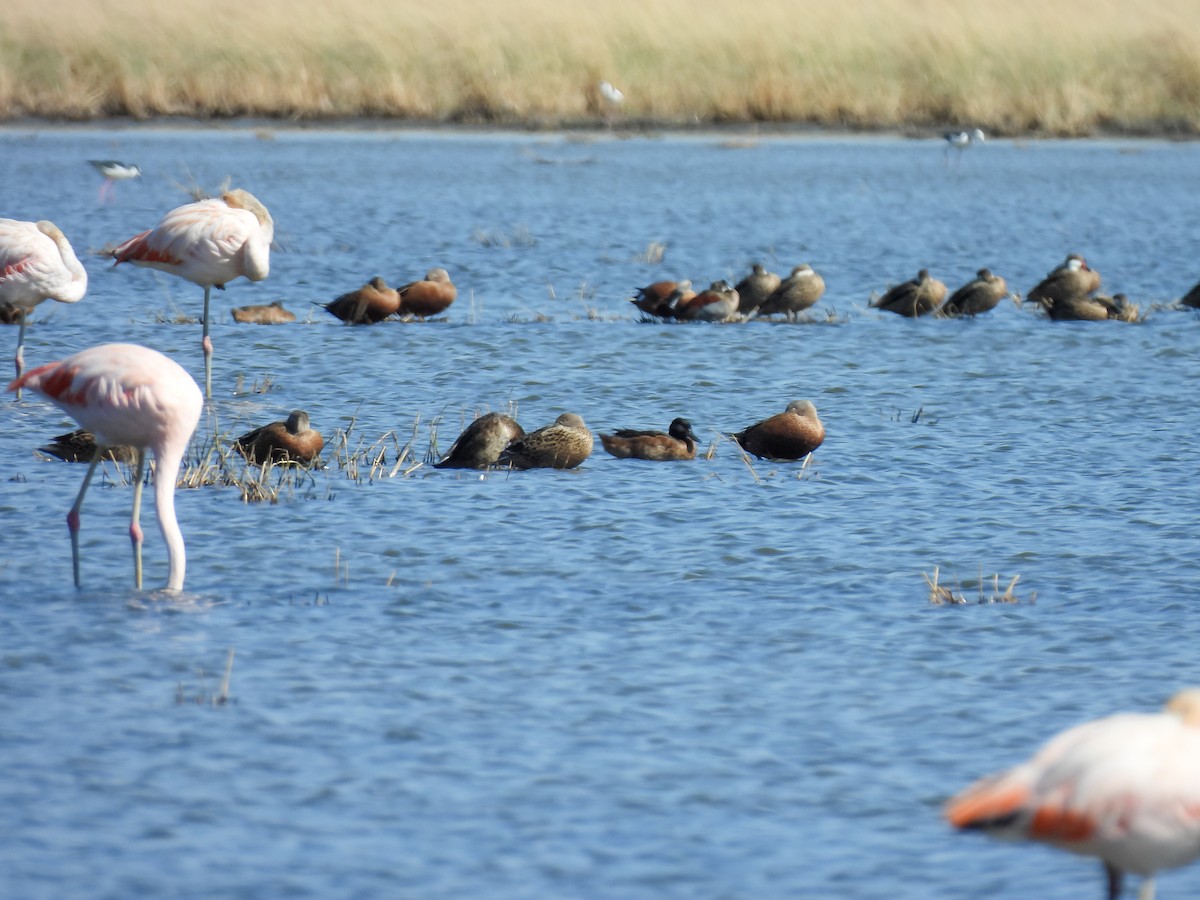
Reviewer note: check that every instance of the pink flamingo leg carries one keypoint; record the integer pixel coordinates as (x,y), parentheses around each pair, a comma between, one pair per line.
(206,343)
(135,526)
(19,359)
(73,515)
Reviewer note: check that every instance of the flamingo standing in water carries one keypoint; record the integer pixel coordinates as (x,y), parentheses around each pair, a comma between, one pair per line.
(36,263)
(128,394)
(1125,788)
(209,243)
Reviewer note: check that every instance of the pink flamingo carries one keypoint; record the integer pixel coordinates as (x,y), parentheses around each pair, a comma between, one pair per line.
(1125,788)
(127,394)
(209,243)
(36,263)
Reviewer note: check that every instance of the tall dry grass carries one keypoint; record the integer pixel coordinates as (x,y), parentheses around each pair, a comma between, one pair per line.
(1059,66)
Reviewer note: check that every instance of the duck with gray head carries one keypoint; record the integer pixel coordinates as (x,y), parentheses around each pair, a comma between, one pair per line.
(562,445)
(918,297)
(293,441)
(679,442)
(371,303)
(482,442)
(789,435)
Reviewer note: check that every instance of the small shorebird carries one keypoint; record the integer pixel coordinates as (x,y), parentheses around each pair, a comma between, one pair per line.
(131,395)
(292,441)
(113,171)
(209,243)
(961,140)
(791,434)
(562,445)
(482,442)
(1124,789)
(679,442)
(37,263)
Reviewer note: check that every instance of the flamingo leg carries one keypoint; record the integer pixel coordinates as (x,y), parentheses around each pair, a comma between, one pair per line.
(135,526)
(73,515)
(19,359)
(1147,891)
(206,343)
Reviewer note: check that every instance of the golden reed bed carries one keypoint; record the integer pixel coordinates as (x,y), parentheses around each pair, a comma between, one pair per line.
(1015,66)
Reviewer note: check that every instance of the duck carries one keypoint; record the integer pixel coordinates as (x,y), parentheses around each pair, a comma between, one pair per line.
(755,288)
(982,294)
(918,297)
(430,297)
(267,314)
(679,442)
(1099,308)
(1192,298)
(291,441)
(791,434)
(658,299)
(1064,285)
(80,446)
(718,303)
(562,445)
(482,442)
(371,303)
(796,293)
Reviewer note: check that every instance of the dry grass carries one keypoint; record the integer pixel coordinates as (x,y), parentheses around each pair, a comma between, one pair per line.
(1061,66)
(940,594)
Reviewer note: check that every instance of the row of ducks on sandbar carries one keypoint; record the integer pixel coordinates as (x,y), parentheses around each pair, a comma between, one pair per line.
(497,440)
(1068,292)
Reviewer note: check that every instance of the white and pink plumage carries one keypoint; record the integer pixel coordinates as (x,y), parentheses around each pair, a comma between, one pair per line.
(1124,789)
(132,395)
(37,263)
(209,243)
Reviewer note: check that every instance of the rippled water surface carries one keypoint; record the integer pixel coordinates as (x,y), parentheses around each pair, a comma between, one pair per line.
(692,680)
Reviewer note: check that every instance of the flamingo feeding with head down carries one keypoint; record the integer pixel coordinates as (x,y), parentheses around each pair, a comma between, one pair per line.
(209,243)
(37,263)
(1125,789)
(128,394)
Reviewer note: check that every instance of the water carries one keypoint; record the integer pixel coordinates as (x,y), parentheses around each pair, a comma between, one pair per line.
(635,679)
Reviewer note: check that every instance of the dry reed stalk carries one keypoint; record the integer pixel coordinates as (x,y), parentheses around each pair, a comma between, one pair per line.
(940,594)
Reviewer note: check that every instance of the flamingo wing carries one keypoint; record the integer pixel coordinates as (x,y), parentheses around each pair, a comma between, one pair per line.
(202,242)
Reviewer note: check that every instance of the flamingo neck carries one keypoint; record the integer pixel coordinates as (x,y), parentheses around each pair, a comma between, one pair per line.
(166,473)
(77,287)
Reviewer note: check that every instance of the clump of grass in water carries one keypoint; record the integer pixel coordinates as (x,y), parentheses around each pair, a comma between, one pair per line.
(258,387)
(941,595)
(203,696)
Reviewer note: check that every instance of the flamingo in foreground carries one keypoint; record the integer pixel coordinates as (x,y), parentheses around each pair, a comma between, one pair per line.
(128,394)
(1125,788)
(209,243)
(37,263)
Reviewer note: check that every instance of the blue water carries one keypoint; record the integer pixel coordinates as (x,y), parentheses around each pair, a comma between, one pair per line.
(692,680)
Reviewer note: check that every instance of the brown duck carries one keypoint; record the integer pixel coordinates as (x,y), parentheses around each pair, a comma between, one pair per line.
(563,445)
(430,297)
(918,297)
(791,434)
(371,303)
(658,299)
(268,314)
(716,304)
(677,443)
(1065,286)
(482,442)
(981,294)
(796,293)
(80,446)
(1093,309)
(291,441)
(755,288)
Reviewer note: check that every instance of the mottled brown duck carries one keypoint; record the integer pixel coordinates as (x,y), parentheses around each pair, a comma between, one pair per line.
(918,297)
(796,293)
(1065,286)
(679,442)
(429,297)
(791,434)
(482,442)
(982,294)
(562,445)
(755,288)
(267,314)
(80,446)
(371,303)
(291,441)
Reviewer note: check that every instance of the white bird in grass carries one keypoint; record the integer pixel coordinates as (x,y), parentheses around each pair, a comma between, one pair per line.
(962,140)
(209,243)
(113,171)
(125,394)
(37,263)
